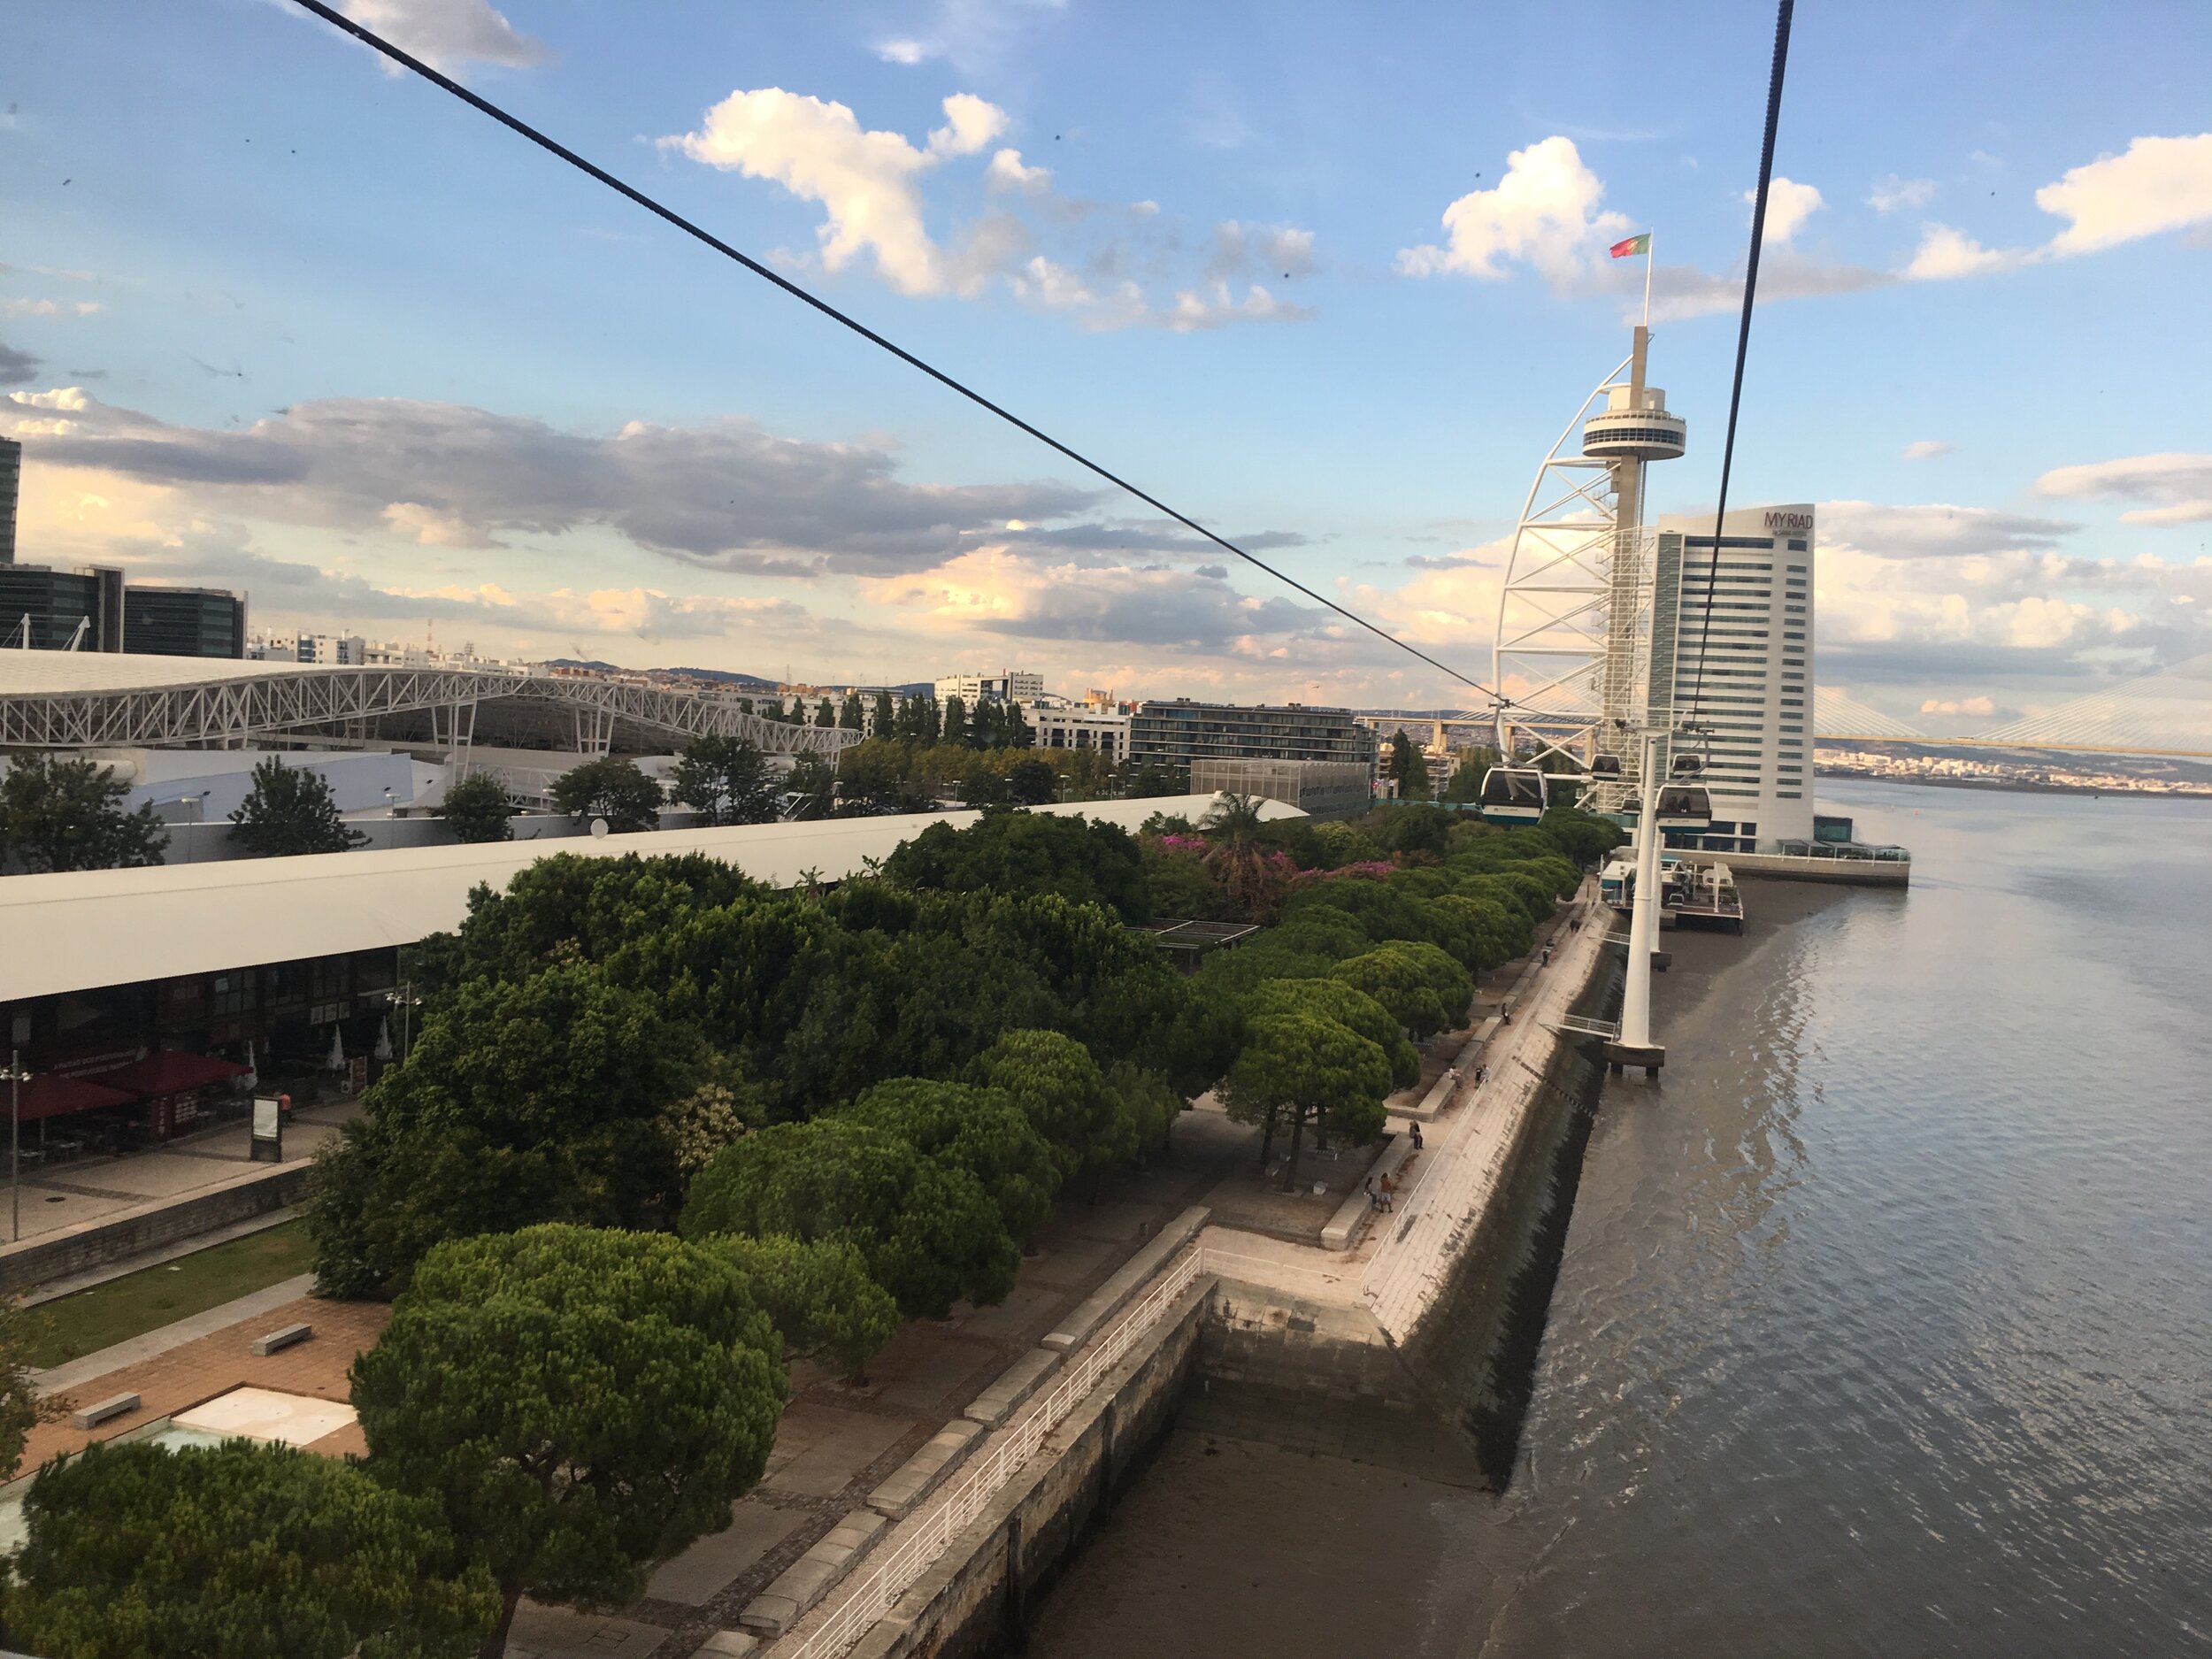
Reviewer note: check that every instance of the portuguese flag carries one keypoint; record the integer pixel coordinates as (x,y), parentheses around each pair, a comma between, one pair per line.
(1633,245)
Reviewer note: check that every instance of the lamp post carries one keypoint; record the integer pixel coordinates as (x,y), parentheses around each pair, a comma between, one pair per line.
(16,1078)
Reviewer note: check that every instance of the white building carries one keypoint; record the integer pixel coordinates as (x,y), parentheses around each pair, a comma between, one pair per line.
(1732,644)
(1058,724)
(1008,685)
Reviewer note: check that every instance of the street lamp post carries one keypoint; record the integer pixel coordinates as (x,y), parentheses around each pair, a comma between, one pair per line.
(16,1078)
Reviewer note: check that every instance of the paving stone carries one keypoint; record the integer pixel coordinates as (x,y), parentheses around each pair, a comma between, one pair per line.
(702,1571)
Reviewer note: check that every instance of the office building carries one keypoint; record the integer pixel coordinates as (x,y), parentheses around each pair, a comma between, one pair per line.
(1732,644)
(42,609)
(1058,724)
(184,622)
(10,488)
(1182,732)
(1008,685)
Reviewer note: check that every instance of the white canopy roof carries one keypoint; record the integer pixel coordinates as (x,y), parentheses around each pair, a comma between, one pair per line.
(74,931)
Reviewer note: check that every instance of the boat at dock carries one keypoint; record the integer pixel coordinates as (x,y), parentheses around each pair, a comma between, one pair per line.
(1699,891)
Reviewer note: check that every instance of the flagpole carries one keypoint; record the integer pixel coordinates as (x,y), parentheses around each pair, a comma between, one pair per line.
(1649,259)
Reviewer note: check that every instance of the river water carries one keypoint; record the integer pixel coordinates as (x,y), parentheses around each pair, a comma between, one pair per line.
(1884,1324)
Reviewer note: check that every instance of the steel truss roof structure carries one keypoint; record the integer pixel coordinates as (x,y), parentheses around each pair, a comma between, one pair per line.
(221,705)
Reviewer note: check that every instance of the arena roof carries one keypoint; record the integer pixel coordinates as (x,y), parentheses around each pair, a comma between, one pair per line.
(81,929)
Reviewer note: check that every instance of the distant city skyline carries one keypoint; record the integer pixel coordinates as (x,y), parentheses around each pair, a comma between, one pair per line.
(333,339)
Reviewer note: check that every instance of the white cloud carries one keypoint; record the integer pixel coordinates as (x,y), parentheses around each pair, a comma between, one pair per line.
(1985,707)
(1216,306)
(1007,172)
(1926,448)
(49,308)
(1053,287)
(1945,253)
(970,124)
(1935,530)
(2157,184)
(447,35)
(1892,193)
(973,35)
(1789,204)
(902,51)
(866,182)
(2177,486)
(1543,212)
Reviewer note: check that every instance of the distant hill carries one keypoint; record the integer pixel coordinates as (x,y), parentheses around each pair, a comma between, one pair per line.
(710,676)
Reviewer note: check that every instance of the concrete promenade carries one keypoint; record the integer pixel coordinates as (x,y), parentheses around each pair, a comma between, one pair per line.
(1401,1258)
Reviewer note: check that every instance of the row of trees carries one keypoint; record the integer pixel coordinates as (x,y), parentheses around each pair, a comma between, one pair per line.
(62,813)
(920,721)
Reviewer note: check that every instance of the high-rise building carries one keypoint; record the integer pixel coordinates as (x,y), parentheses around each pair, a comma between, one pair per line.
(183,622)
(1732,644)
(10,488)
(47,609)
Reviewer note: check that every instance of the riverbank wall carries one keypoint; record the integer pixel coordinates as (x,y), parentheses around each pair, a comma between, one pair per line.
(975,1598)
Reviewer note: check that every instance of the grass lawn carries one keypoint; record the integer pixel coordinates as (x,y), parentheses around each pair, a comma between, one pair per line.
(154,1296)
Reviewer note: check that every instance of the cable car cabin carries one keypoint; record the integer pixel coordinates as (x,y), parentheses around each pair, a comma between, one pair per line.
(1606,766)
(1684,807)
(1513,795)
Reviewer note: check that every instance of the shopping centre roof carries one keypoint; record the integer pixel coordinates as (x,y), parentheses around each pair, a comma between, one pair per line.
(80,929)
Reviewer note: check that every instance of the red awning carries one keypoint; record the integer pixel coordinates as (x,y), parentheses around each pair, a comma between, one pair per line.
(170,1071)
(46,1095)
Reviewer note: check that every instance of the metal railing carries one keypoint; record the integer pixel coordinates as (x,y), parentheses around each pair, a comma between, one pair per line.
(895,1571)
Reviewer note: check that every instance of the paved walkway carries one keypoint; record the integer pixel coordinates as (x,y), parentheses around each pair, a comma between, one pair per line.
(58,1195)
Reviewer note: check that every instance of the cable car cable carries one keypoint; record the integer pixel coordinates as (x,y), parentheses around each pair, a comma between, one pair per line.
(1743,330)
(377,42)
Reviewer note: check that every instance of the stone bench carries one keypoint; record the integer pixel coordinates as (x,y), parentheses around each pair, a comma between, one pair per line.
(1131,1278)
(914,1479)
(808,1580)
(92,1417)
(287,1336)
(1015,1384)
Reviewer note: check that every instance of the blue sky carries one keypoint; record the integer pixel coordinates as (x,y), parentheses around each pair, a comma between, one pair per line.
(272,318)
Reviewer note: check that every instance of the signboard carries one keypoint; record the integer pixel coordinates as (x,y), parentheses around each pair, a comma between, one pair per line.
(267,1146)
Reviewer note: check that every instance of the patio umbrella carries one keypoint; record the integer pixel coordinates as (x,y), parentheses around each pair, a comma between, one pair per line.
(337,1061)
(252,1079)
(384,1039)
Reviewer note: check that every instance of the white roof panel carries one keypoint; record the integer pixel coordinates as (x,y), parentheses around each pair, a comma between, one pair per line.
(48,673)
(80,929)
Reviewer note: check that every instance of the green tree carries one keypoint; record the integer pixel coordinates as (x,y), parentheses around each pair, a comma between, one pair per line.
(1355,1010)
(980,1129)
(1401,986)
(1307,1069)
(1031,783)
(1016,853)
(581,1403)
(850,717)
(59,813)
(611,789)
(1465,783)
(877,774)
(727,778)
(1408,767)
(21,1409)
(1149,779)
(882,720)
(478,808)
(956,721)
(1582,836)
(818,1297)
(814,780)
(522,1102)
(826,715)
(929,1232)
(287,811)
(246,1550)
(1059,1088)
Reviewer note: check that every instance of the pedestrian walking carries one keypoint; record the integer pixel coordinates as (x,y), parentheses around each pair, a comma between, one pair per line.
(1387,1188)
(1416,1126)
(1546,963)
(1374,1199)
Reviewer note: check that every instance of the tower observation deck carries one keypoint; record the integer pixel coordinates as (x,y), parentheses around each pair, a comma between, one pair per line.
(1573,642)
